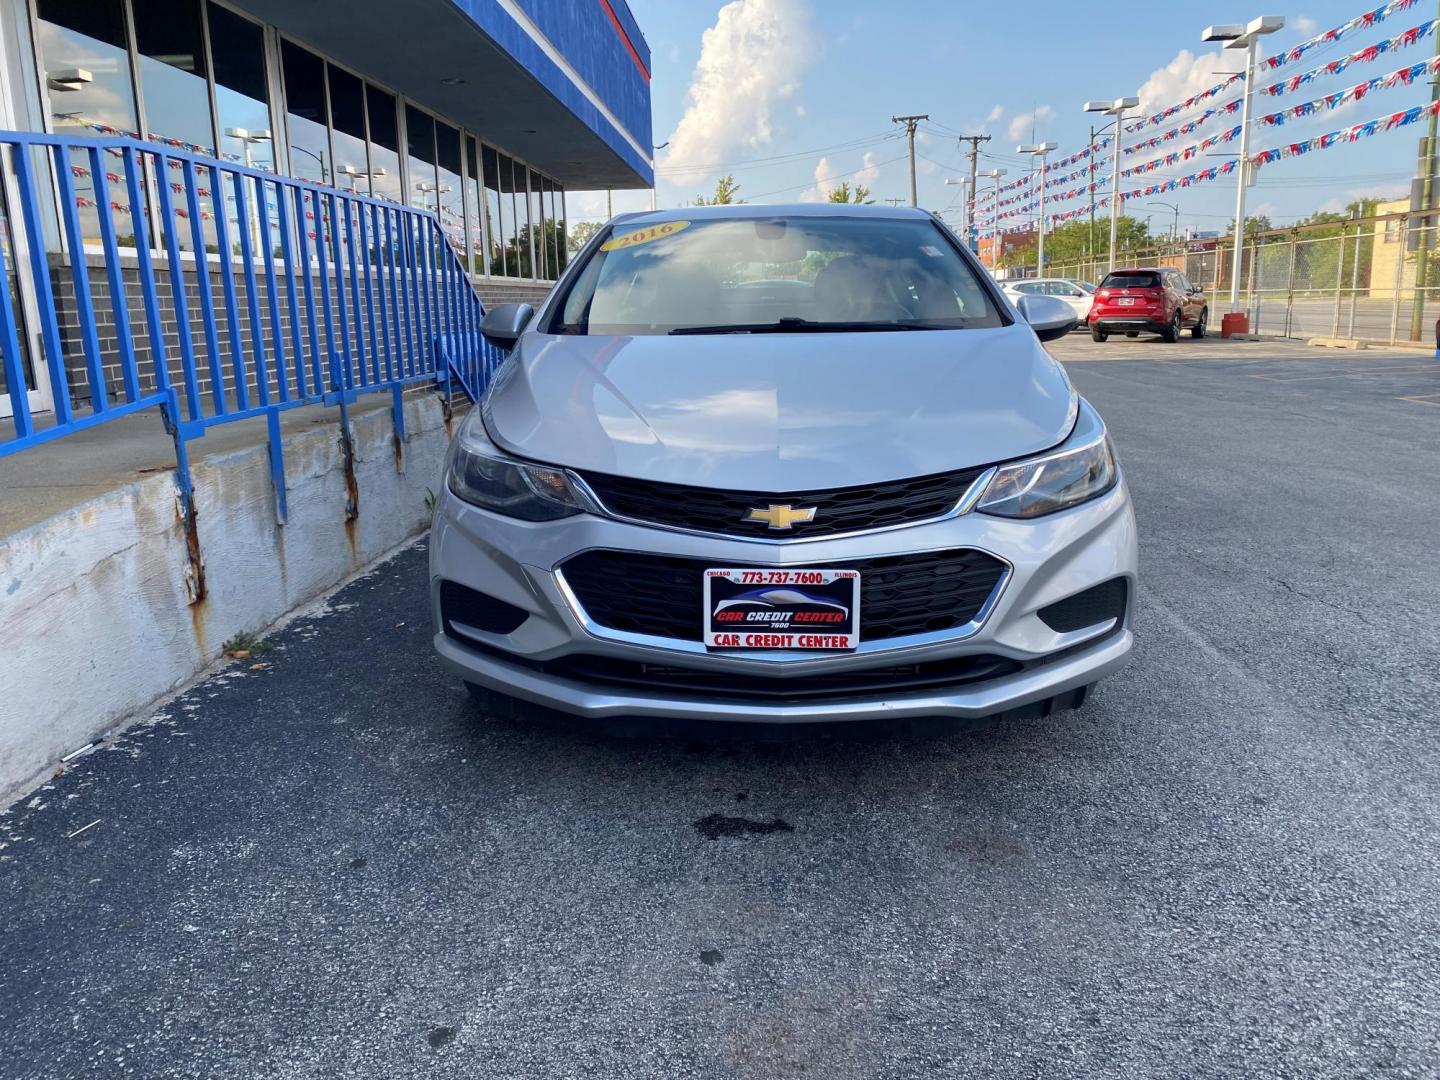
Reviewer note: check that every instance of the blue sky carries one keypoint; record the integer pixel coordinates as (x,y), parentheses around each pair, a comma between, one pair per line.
(781,92)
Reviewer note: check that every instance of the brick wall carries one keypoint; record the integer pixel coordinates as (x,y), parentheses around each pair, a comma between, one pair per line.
(68,313)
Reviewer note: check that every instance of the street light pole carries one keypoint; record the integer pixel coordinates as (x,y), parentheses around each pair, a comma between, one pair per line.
(1245,37)
(964,183)
(1039,150)
(1116,109)
(995,174)
(1174,229)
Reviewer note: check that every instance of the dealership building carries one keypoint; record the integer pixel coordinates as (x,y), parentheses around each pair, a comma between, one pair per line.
(484,111)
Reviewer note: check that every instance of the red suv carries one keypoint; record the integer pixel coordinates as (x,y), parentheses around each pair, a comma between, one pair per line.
(1160,300)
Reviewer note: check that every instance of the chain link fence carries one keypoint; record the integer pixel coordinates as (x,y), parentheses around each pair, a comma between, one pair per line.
(1371,279)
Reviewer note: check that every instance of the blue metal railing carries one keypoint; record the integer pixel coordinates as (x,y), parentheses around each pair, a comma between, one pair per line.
(324,295)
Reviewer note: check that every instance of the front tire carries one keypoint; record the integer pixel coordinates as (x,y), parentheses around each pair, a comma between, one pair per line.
(1096,334)
(1198,330)
(1171,333)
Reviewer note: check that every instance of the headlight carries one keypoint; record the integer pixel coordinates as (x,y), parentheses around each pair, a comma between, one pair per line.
(483,475)
(1082,468)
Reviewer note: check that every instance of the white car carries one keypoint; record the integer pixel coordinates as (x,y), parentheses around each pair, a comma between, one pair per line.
(1078,295)
(862,492)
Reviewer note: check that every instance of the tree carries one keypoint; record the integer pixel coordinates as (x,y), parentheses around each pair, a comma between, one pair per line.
(580,234)
(1259,223)
(727,192)
(844,193)
(1068,244)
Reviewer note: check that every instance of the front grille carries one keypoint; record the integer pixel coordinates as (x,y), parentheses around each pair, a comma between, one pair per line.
(730,685)
(899,594)
(838,510)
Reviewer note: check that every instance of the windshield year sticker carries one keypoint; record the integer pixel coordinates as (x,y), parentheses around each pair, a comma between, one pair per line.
(644,236)
(933,252)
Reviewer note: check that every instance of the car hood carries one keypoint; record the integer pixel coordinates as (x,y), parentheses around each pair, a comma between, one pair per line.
(780,412)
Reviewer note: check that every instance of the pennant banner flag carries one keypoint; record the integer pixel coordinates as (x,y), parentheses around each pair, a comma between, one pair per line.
(1405,76)
(1184,129)
(1354,133)
(1177,156)
(1204,95)
(1081,155)
(1360,22)
(1361,56)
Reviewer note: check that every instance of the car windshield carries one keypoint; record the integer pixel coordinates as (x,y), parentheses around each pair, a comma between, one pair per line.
(775,275)
(1131,279)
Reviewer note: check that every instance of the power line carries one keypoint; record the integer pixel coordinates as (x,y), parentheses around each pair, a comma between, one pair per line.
(824,179)
(852,144)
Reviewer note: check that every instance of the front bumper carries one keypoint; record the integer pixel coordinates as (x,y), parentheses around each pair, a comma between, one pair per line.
(1050,559)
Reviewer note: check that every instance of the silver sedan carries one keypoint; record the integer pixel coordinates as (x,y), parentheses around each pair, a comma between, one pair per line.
(782,464)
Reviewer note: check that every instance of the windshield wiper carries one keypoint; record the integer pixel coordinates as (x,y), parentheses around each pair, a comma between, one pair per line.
(791,324)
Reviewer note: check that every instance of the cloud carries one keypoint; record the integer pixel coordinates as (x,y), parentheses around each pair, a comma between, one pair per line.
(750,61)
(826,178)
(1022,123)
(995,114)
(1183,77)
(1304,25)
(926,142)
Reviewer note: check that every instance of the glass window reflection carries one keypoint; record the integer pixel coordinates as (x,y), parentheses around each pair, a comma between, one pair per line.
(451,194)
(380,110)
(347,118)
(305,113)
(85,65)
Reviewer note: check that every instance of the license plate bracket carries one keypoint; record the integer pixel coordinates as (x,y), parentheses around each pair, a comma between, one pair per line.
(804,609)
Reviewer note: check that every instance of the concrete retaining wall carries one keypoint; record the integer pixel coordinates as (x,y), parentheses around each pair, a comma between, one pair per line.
(94,623)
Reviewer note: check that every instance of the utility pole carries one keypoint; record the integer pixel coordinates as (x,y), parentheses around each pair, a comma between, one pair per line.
(1425,241)
(910,123)
(974,152)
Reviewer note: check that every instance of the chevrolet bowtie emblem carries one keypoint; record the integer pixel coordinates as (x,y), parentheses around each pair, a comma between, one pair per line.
(784,516)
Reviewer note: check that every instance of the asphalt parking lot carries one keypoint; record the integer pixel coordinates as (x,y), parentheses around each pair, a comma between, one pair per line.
(1224,865)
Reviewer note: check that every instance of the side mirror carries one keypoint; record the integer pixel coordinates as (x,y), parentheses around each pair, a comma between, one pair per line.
(1049,316)
(503,323)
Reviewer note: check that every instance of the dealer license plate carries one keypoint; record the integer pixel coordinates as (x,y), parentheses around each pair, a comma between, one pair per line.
(782,609)
(1126,301)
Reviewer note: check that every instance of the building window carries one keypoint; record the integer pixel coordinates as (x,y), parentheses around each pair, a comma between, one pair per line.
(420,148)
(557,231)
(242,106)
(476,208)
(496,217)
(539,263)
(347,119)
(380,110)
(512,183)
(85,67)
(452,191)
(170,43)
(242,101)
(305,113)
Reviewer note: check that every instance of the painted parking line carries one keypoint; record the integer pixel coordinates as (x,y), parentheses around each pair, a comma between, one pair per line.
(1410,369)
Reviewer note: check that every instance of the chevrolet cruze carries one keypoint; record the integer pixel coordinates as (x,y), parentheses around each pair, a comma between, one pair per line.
(782,464)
